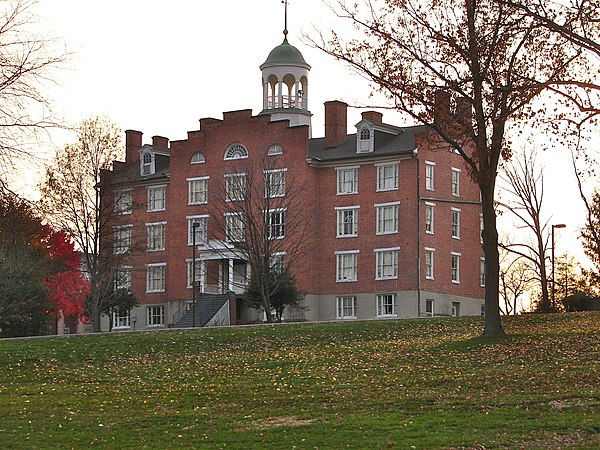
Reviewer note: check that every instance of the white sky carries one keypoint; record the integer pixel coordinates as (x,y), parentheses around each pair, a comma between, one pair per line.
(158,67)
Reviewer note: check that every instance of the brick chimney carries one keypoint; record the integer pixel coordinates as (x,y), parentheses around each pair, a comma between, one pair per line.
(372,116)
(441,108)
(336,123)
(160,142)
(133,143)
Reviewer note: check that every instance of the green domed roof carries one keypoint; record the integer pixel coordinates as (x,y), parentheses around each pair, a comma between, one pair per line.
(285,53)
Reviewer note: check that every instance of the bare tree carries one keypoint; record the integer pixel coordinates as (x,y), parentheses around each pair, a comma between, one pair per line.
(491,59)
(516,277)
(525,184)
(71,198)
(26,60)
(256,215)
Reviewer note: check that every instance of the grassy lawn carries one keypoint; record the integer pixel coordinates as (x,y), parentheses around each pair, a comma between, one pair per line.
(398,384)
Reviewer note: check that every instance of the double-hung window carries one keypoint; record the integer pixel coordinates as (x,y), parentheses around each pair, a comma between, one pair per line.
(456,223)
(386,263)
(157,198)
(198,267)
(276,224)
(122,278)
(274,183)
(455,267)
(123,202)
(347,266)
(386,305)
(346,307)
(429,213)
(122,318)
(197,191)
(236,228)
(387,218)
(387,177)
(347,221)
(482,271)
(429,175)
(121,239)
(197,225)
(155,277)
(235,187)
(156,316)
(429,252)
(455,182)
(156,236)
(347,180)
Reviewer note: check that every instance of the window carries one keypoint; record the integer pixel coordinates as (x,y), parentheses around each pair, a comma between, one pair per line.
(347,180)
(387,177)
(456,267)
(482,271)
(199,230)
(364,141)
(199,272)
(429,307)
(277,262)
(387,263)
(236,151)
(156,236)
(276,225)
(387,218)
(455,182)
(198,158)
(157,198)
(386,305)
(235,187)
(123,202)
(122,239)
(429,175)
(429,252)
(429,209)
(275,183)
(346,307)
(275,150)
(122,278)
(236,229)
(121,318)
(197,191)
(456,223)
(156,316)
(455,309)
(147,164)
(347,266)
(481,228)
(347,221)
(155,277)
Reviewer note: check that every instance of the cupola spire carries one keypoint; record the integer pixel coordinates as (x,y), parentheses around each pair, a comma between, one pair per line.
(285,30)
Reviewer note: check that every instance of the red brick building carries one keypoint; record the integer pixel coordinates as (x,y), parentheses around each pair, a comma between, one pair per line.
(389,219)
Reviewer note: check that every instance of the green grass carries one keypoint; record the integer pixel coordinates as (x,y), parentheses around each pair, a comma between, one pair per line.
(398,384)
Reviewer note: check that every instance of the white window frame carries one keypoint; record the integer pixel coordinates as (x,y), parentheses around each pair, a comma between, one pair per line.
(345,307)
(381,221)
(121,319)
(122,239)
(155,316)
(429,263)
(235,227)
(455,267)
(455,223)
(122,278)
(481,228)
(147,168)
(346,266)
(344,214)
(455,309)
(430,175)
(364,139)
(383,304)
(123,202)
(277,261)
(156,242)
(201,231)
(198,158)
(275,150)
(455,182)
(482,271)
(430,301)
(235,151)
(154,203)
(198,191)
(382,262)
(383,181)
(161,268)
(276,229)
(235,187)
(275,183)
(347,186)
(429,218)
(200,271)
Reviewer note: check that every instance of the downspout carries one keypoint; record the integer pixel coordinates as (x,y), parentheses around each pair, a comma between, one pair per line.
(418,234)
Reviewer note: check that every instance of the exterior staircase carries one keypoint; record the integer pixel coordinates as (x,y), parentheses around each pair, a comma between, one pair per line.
(207,306)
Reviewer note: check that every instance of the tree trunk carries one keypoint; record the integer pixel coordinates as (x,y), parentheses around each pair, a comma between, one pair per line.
(493,323)
(95,313)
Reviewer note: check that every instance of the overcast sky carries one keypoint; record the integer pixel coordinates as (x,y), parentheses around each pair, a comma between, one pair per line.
(158,67)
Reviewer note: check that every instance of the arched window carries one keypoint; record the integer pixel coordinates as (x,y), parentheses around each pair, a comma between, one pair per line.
(147,168)
(275,150)
(198,158)
(364,140)
(236,151)
(365,134)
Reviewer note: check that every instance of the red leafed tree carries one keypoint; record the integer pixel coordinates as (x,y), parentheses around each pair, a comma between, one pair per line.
(67,287)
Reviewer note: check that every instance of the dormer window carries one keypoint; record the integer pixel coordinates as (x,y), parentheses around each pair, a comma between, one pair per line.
(364,142)
(236,151)
(198,158)
(147,163)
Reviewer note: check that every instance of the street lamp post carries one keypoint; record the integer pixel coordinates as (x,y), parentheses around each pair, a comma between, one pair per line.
(560,225)
(195,226)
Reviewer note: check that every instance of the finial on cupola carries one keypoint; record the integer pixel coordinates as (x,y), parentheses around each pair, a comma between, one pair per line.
(285,30)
